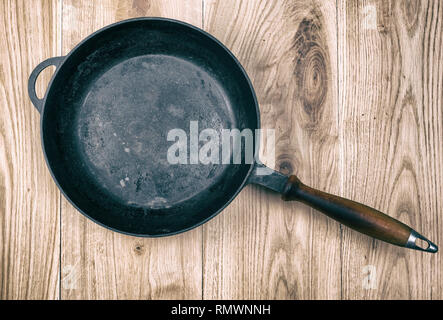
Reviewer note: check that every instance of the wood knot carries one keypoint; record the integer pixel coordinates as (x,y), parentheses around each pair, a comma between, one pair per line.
(139,249)
(311,67)
(411,12)
(285,163)
(141,6)
(285,167)
(312,80)
(385,17)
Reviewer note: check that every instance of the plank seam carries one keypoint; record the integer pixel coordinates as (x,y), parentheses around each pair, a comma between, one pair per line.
(60,24)
(340,142)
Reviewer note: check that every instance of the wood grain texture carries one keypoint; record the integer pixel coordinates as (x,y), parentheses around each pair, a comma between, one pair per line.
(29,200)
(98,263)
(354,90)
(390,66)
(260,247)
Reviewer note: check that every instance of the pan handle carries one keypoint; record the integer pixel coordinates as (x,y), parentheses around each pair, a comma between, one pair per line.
(36,101)
(355,215)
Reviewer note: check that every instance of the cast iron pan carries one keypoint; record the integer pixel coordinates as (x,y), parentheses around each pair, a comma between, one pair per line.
(105,119)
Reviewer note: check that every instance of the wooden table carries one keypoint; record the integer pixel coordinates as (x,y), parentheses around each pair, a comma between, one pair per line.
(354,90)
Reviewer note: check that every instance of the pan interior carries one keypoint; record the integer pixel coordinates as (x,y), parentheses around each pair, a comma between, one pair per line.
(109,113)
(123,126)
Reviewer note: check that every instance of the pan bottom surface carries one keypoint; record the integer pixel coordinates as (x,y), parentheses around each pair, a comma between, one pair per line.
(122,130)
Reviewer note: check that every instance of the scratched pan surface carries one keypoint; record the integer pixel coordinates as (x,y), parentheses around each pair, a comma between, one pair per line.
(107,114)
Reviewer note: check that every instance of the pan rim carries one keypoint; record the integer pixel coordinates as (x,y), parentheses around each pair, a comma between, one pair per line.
(203,33)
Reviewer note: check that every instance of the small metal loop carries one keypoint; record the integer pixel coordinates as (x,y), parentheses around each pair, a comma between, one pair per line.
(36,101)
(432,247)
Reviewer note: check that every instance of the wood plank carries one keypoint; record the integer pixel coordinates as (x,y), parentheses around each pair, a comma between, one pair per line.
(391,88)
(29,200)
(101,264)
(261,247)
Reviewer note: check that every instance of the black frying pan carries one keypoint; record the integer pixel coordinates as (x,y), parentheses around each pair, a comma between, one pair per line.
(105,119)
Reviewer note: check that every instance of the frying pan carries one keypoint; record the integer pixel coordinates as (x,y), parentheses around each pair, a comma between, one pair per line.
(105,119)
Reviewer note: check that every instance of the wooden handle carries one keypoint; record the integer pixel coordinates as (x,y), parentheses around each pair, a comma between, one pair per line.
(356,216)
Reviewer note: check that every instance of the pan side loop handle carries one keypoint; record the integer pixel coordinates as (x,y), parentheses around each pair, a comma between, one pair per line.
(357,216)
(36,101)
